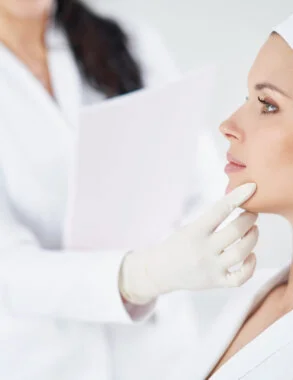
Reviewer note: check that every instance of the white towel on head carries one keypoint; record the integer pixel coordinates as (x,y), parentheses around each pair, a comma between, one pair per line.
(285,30)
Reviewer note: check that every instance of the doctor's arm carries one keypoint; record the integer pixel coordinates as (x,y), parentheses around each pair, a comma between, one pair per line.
(85,285)
(57,284)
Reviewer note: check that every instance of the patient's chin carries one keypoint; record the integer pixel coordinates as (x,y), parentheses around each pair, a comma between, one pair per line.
(252,205)
(266,199)
(258,204)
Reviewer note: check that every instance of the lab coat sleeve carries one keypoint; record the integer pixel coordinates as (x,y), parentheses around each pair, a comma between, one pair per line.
(207,178)
(58,284)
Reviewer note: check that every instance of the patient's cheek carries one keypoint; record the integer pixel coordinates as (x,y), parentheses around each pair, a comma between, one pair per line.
(286,152)
(281,148)
(271,167)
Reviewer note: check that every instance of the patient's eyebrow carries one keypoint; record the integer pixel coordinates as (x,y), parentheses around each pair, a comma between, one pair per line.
(270,86)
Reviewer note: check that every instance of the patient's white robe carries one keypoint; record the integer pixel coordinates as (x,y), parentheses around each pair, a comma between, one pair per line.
(267,357)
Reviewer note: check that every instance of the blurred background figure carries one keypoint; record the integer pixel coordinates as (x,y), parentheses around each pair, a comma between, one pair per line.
(58,307)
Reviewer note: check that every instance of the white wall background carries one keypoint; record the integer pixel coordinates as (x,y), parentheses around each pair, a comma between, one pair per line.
(229,32)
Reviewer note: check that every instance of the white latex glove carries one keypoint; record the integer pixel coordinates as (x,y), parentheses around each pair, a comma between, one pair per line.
(193,258)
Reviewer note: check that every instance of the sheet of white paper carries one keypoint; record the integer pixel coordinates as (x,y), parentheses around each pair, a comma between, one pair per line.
(134,164)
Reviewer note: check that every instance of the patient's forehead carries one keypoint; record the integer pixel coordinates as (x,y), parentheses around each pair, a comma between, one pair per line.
(274,64)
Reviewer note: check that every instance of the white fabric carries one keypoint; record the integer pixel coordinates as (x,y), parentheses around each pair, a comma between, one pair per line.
(268,356)
(53,303)
(193,257)
(285,29)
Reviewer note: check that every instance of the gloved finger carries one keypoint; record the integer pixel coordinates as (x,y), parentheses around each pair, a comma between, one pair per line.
(239,277)
(223,208)
(234,230)
(241,250)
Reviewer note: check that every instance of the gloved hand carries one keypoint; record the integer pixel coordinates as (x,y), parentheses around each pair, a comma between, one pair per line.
(194,257)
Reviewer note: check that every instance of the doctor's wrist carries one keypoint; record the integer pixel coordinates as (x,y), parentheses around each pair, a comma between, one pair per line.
(134,286)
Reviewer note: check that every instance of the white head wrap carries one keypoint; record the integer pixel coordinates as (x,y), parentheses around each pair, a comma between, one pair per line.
(285,30)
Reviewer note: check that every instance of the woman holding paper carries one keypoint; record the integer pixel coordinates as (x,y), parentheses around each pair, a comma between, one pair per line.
(56,305)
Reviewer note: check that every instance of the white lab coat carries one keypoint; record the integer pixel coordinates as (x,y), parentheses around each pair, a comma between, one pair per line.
(268,356)
(58,308)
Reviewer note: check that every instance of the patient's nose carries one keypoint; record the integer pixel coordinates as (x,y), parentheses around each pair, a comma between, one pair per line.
(231,131)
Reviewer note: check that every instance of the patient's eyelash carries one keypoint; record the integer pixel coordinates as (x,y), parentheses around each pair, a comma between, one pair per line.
(268,107)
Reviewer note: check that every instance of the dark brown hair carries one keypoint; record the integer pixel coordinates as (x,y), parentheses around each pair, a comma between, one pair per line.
(100,48)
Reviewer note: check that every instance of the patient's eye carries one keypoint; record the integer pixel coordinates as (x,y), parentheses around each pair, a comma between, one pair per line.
(268,107)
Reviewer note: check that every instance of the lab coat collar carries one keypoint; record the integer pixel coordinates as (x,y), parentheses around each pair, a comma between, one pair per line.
(65,77)
(40,127)
(230,321)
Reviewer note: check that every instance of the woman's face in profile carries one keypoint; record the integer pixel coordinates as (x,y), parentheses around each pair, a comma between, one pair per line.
(25,8)
(260,132)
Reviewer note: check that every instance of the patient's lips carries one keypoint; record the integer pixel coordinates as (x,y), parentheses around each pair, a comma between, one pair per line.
(233,165)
